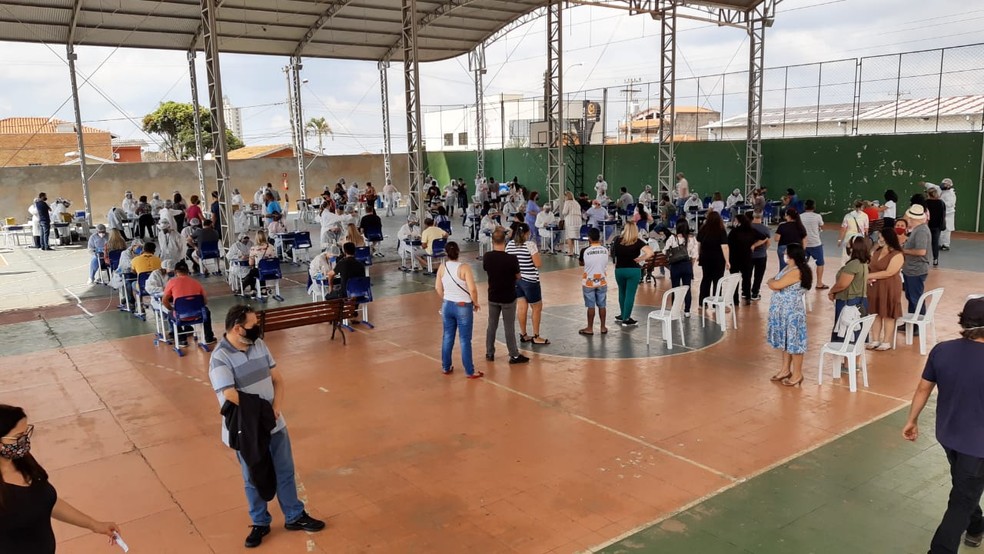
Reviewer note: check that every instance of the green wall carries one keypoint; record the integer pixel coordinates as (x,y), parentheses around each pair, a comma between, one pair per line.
(832,170)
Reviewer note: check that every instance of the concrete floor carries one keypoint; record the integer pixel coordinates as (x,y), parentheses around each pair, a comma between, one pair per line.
(583,449)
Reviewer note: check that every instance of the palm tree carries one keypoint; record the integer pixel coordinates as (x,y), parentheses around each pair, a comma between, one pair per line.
(318,126)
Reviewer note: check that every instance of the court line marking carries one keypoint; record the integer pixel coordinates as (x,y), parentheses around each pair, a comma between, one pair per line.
(597,424)
(78,302)
(751,476)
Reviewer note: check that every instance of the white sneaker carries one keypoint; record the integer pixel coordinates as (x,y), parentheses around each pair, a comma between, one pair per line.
(89,282)
(688,315)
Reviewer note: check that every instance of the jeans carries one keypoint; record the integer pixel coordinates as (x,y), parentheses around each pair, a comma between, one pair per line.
(758,273)
(933,231)
(781,252)
(682,273)
(283,466)
(94,266)
(913,287)
(508,314)
(45,231)
(458,318)
(627,279)
(963,511)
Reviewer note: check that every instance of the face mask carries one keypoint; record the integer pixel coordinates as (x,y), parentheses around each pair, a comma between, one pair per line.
(17,450)
(900,231)
(138,251)
(252,334)
(788,260)
(332,259)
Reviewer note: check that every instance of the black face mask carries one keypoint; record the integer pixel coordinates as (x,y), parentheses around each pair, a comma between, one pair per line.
(252,334)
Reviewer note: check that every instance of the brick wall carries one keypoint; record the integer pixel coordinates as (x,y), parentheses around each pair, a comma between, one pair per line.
(50,148)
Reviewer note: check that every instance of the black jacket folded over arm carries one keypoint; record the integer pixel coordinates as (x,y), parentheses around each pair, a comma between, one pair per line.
(249,425)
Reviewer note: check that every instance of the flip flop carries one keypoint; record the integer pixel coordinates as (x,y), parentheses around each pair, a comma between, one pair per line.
(477,375)
(585,333)
(544,343)
(604,331)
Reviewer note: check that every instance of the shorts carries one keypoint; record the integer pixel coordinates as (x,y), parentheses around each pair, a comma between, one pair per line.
(529,291)
(596,297)
(815,252)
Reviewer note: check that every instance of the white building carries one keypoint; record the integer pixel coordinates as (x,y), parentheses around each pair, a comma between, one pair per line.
(920,115)
(453,129)
(233,118)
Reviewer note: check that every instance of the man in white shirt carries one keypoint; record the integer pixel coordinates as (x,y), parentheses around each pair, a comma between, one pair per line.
(601,187)
(594,283)
(646,196)
(813,222)
(353,194)
(389,197)
(682,190)
(949,198)
(624,199)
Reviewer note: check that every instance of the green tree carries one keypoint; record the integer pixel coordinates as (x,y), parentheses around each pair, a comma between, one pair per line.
(319,127)
(174,122)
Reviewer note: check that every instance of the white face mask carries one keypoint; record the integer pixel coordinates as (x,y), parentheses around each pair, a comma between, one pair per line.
(788,260)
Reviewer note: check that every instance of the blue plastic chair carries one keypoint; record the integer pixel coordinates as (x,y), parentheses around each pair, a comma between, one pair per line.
(269,270)
(437,247)
(140,294)
(189,311)
(445,226)
(363,254)
(374,234)
(114,263)
(210,251)
(360,288)
(302,243)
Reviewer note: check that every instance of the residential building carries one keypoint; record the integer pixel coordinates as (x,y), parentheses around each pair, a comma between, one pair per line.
(26,141)
(233,118)
(128,150)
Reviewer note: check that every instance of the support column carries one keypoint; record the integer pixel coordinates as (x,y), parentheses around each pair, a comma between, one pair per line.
(72,56)
(476,63)
(297,111)
(387,139)
(759,18)
(667,98)
(555,101)
(411,77)
(197,117)
(220,153)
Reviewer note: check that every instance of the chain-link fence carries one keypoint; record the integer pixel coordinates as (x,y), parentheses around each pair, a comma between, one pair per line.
(926,91)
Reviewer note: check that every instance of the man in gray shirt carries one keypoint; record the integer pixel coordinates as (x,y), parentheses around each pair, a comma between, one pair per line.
(916,253)
(813,222)
(760,256)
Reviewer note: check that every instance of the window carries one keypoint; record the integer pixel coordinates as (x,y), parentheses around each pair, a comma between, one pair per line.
(462,139)
(448,139)
(34,164)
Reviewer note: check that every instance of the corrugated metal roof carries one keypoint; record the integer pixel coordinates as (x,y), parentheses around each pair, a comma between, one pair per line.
(260,151)
(915,108)
(40,125)
(349,29)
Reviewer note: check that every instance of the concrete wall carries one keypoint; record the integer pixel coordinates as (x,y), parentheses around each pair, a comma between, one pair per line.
(107,183)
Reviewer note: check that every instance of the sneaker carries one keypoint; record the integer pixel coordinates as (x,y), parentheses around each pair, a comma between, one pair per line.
(756,298)
(947,249)
(89,282)
(256,535)
(618,318)
(520,359)
(687,315)
(629,322)
(973,540)
(305,523)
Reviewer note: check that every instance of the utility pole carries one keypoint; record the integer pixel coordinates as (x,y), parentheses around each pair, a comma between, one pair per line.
(629,93)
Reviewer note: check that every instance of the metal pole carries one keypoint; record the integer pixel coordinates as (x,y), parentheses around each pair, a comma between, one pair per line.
(216,111)
(816,132)
(980,182)
(604,125)
(556,164)
(476,62)
(502,124)
(667,99)
(197,118)
(759,18)
(856,116)
(387,139)
(898,92)
(411,77)
(295,74)
(785,95)
(72,56)
(939,92)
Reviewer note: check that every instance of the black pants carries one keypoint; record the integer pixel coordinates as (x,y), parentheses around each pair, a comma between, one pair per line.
(745,268)
(963,511)
(758,272)
(194,265)
(209,334)
(145,226)
(935,233)
(179,221)
(682,273)
(712,273)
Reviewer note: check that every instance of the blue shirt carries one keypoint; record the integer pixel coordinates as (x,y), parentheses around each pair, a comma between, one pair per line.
(272,207)
(957,368)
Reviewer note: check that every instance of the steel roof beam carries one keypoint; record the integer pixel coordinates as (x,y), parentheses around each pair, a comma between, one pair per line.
(323,19)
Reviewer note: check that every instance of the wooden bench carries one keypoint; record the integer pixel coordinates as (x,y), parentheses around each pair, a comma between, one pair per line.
(334,311)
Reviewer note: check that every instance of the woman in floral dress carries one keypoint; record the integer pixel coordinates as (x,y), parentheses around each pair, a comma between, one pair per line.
(787,314)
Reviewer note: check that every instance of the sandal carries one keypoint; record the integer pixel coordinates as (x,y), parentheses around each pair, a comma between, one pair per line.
(781,377)
(477,375)
(822,287)
(585,332)
(604,330)
(544,343)
(525,338)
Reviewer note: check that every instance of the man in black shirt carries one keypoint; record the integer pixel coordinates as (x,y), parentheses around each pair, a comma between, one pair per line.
(345,269)
(44,219)
(371,223)
(503,272)
(202,235)
(216,213)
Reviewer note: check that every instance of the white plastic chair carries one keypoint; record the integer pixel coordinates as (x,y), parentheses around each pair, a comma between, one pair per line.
(923,322)
(850,350)
(666,317)
(724,298)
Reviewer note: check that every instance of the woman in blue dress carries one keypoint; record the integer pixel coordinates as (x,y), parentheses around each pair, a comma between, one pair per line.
(532,210)
(787,315)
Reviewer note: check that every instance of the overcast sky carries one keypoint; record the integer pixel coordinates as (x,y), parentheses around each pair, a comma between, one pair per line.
(603,47)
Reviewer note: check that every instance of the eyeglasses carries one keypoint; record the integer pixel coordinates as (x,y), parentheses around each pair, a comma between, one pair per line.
(22,438)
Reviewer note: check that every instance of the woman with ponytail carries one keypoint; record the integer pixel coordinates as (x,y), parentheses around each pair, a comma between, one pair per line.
(27,499)
(787,314)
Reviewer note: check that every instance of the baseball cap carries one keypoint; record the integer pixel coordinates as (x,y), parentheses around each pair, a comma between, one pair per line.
(972,314)
(195,222)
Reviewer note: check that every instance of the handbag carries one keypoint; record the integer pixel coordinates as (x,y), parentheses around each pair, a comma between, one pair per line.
(678,253)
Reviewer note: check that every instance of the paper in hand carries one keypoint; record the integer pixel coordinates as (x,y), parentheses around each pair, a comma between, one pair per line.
(119,542)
